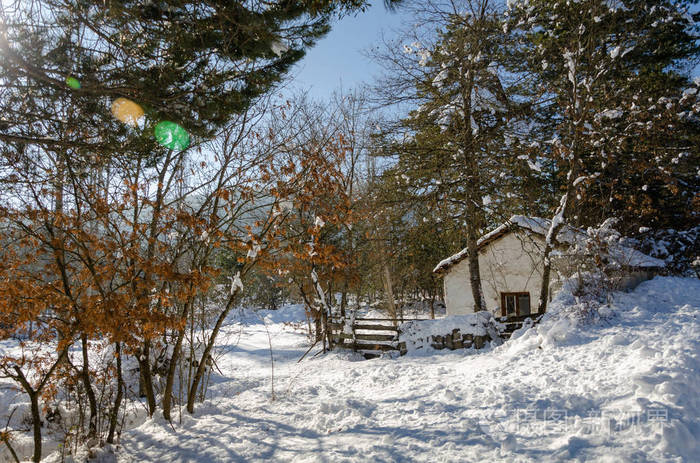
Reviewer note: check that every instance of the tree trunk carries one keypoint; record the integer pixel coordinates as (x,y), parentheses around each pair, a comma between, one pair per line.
(87,384)
(310,315)
(344,297)
(199,374)
(59,254)
(172,366)
(318,325)
(34,395)
(388,287)
(325,312)
(472,175)
(36,425)
(35,410)
(114,416)
(555,227)
(475,275)
(170,379)
(146,382)
(562,211)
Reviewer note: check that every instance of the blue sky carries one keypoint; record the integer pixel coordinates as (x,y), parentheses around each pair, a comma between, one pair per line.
(337,61)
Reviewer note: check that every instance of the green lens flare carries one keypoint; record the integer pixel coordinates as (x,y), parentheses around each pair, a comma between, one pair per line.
(172,135)
(72,82)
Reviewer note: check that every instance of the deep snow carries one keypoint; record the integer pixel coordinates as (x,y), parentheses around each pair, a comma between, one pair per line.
(624,388)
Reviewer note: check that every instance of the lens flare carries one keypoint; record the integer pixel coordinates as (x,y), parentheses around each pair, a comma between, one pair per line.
(72,82)
(127,111)
(172,135)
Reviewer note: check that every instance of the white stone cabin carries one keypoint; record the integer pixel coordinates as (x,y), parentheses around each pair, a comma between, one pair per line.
(510,262)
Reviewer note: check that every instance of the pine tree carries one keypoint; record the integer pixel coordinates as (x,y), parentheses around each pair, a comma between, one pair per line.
(452,149)
(591,64)
(192,63)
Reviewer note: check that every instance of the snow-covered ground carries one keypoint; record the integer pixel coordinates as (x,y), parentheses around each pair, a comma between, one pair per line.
(625,388)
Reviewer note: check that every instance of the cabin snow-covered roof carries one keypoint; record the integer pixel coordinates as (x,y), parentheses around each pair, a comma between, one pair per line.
(567,235)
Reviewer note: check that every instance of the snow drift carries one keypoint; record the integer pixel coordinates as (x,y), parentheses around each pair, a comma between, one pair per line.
(620,387)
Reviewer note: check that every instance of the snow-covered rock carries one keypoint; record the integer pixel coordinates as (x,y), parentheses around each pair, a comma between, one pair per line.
(418,334)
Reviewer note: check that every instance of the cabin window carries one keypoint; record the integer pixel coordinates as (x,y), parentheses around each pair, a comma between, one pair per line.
(524,304)
(515,304)
(510,304)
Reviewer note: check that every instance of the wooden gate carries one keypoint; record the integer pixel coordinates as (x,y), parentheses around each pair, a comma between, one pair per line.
(368,336)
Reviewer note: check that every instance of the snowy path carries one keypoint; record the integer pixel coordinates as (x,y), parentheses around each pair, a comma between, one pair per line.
(625,390)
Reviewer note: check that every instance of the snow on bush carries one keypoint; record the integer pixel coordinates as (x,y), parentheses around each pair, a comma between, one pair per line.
(578,303)
(678,248)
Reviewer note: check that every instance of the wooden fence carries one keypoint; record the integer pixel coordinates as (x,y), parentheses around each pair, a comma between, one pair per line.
(368,336)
